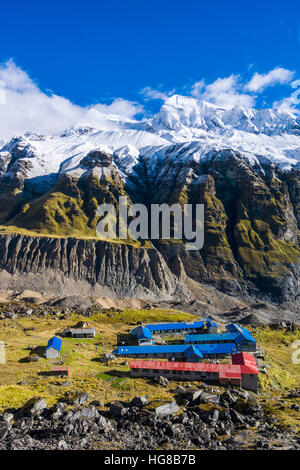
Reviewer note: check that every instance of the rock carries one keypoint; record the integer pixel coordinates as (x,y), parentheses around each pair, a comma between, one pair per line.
(68,429)
(237,417)
(252,406)
(163,381)
(216,415)
(81,398)
(167,409)
(104,424)
(295,407)
(4,428)
(97,158)
(58,410)
(87,413)
(35,406)
(67,383)
(33,358)
(10,315)
(180,390)
(294,393)
(98,403)
(62,445)
(108,357)
(206,397)
(194,397)
(139,401)
(117,409)
(8,417)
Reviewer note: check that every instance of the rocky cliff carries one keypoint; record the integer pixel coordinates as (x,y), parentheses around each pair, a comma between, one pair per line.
(118,269)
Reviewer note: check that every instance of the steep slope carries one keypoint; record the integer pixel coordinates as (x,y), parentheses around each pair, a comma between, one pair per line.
(243,165)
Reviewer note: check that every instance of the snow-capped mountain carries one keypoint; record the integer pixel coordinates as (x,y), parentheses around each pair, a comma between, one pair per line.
(258,135)
(242,164)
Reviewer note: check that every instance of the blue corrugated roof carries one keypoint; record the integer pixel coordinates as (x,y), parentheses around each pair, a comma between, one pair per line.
(193,351)
(235,328)
(221,348)
(209,323)
(245,336)
(141,332)
(164,349)
(55,343)
(175,326)
(212,337)
(234,337)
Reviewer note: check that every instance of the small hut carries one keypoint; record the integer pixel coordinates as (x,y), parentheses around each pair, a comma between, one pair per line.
(53,348)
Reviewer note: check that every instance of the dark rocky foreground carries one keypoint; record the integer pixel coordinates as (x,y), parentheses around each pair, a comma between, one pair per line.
(197,420)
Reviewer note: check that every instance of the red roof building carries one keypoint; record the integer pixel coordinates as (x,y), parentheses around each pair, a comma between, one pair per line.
(61,371)
(243,370)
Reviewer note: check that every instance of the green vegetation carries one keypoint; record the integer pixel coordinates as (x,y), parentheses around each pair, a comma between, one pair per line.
(20,381)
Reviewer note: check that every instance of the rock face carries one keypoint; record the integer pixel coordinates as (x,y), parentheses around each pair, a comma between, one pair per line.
(118,268)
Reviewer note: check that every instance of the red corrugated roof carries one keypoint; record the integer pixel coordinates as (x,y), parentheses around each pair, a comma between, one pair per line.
(230,375)
(59,369)
(196,367)
(244,359)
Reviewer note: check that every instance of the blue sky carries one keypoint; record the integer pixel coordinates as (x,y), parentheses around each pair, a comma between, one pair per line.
(98,51)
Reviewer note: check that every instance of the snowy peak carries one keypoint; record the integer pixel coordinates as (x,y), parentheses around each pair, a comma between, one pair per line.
(181,111)
(184,129)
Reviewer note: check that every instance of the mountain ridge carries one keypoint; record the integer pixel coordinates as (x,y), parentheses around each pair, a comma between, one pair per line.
(243,165)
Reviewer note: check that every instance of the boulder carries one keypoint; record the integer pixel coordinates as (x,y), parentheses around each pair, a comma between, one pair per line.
(117,409)
(139,401)
(81,398)
(167,409)
(87,413)
(35,406)
(104,424)
(206,397)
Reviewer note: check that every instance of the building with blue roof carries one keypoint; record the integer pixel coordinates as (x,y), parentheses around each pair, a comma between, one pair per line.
(53,348)
(181,352)
(210,325)
(243,340)
(204,326)
(217,350)
(172,351)
(235,328)
(143,335)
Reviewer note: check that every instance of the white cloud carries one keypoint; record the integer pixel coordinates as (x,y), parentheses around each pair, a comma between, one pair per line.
(121,107)
(148,93)
(24,107)
(224,92)
(197,88)
(286,105)
(290,103)
(276,76)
